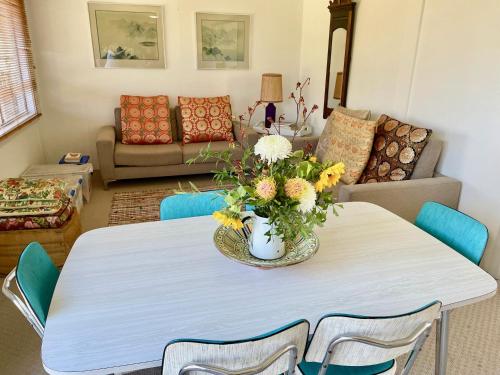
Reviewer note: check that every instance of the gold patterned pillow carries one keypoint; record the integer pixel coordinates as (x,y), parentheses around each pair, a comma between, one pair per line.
(206,119)
(349,140)
(396,150)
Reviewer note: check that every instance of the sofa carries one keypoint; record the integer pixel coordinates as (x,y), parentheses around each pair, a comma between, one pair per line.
(404,198)
(120,161)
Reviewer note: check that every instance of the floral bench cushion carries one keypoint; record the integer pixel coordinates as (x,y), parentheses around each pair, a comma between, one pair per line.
(33,203)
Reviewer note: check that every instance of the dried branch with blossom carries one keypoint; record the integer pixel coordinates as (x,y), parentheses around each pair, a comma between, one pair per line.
(298,97)
(250,110)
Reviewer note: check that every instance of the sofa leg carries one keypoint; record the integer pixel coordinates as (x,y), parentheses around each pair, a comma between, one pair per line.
(106,184)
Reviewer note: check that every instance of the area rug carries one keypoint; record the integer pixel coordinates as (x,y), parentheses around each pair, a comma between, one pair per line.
(140,206)
(136,206)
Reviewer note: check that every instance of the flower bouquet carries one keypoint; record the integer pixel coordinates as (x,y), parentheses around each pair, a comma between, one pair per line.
(285,190)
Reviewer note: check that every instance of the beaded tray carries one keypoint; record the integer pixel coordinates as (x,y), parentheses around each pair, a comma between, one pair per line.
(234,245)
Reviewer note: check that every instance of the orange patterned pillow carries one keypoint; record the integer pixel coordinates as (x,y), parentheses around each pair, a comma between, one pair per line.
(145,120)
(206,119)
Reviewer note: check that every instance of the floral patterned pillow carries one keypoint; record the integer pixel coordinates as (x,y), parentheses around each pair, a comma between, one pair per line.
(24,196)
(145,120)
(206,119)
(33,204)
(349,140)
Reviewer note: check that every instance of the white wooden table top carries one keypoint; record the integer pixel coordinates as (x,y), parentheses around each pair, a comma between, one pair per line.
(126,291)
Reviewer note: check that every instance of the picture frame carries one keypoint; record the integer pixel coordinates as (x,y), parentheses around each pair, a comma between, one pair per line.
(222,41)
(127,36)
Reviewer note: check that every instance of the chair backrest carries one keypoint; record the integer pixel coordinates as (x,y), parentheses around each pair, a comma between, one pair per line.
(273,353)
(36,277)
(462,233)
(349,340)
(191,204)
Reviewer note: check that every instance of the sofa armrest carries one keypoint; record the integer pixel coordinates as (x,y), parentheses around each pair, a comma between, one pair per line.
(241,131)
(405,198)
(105,143)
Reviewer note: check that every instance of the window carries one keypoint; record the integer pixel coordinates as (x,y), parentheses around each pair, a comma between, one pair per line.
(18,97)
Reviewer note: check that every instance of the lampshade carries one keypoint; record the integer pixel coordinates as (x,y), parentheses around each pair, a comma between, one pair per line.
(337,91)
(271,88)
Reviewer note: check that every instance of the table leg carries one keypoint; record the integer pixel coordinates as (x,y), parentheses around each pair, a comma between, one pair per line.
(442,343)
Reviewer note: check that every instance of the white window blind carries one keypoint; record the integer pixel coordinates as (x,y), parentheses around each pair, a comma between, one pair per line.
(18,97)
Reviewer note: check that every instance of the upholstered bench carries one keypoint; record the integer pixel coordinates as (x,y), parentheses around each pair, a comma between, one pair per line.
(35,210)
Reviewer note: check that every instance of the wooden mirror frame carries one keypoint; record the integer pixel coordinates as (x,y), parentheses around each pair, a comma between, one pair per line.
(341,16)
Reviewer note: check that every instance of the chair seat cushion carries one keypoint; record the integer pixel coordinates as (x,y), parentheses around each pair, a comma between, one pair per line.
(312,368)
(192,150)
(147,155)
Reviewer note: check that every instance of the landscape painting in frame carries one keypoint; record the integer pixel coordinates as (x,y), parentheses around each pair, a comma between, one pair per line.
(127,36)
(222,41)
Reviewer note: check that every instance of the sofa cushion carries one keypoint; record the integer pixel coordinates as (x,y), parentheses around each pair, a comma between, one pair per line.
(145,120)
(206,119)
(174,124)
(396,150)
(146,156)
(426,164)
(362,114)
(27,203)
(192,150)
(349,140)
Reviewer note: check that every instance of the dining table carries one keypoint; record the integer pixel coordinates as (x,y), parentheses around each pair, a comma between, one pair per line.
(126,291)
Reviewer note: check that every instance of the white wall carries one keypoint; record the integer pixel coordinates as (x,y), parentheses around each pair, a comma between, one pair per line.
(456,91)
(78,99)
(435,64)
(20,149)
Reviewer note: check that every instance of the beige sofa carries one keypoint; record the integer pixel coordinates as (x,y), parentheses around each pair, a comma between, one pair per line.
(118,161)
(405,198)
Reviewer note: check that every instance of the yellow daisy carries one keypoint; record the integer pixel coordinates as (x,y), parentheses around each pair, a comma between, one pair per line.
(227,220)
(329,177)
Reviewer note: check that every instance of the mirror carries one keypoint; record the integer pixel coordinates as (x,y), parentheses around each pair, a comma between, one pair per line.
(339,54)
(337,58)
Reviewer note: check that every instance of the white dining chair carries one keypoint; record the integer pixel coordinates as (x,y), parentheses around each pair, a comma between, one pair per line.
(276,352)
(348,344)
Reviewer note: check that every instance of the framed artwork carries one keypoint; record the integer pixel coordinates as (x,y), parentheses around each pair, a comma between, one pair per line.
(127,36)
(223,41)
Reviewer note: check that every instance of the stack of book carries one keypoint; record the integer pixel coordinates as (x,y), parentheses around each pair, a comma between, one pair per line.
(72,157)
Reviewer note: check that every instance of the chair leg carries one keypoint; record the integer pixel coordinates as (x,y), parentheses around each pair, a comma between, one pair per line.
(442,343)
(416,350)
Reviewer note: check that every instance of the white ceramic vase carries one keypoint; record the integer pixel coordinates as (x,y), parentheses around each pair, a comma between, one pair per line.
(260,245)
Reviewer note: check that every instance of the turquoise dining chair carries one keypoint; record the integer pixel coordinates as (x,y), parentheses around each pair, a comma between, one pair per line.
(36,277)
(462,233)
(276,352)
(359,345)
(180,206)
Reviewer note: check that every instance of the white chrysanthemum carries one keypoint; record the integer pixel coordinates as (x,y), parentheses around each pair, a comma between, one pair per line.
(272,148)
(307,199)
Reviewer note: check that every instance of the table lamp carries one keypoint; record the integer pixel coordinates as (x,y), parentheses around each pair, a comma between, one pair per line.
(271,92)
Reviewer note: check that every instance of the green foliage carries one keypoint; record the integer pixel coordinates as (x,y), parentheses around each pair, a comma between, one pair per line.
(284,214)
